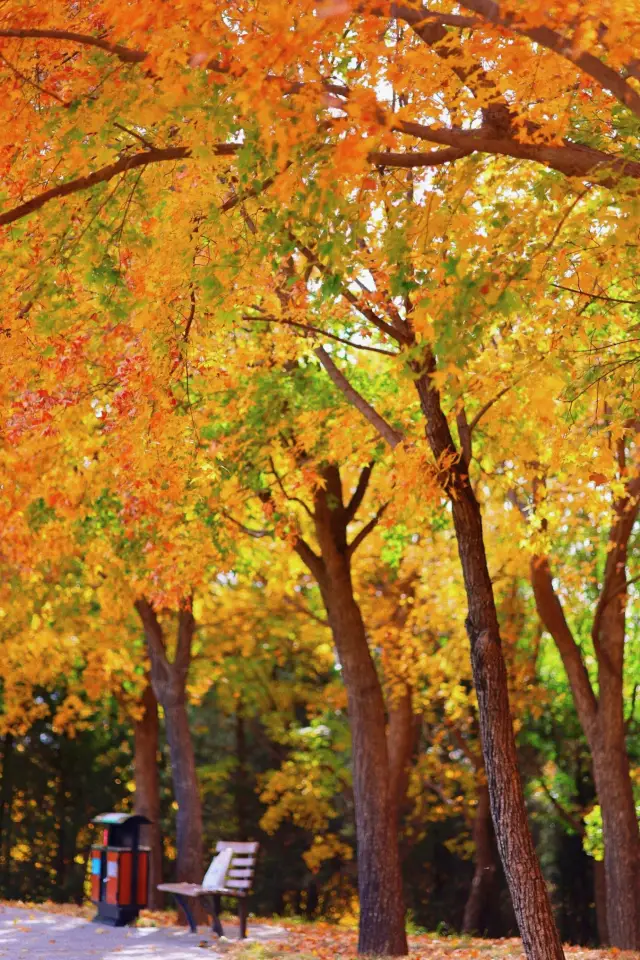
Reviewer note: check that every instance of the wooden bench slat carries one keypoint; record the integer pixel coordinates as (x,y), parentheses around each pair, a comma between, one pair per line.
(238,846)
(238,884)
(186,889)
(226,892)
(240,872)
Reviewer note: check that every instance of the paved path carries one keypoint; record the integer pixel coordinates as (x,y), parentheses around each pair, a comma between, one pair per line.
(36,935)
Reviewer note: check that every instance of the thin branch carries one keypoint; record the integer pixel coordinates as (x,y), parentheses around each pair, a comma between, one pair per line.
(594,296)
(464,433)
(415,158)
(309,558)
(25,79)
(284,492)
(366,530)
(190,318)
(632,708)
(304,609)
(134,133)
(256,534)
(481,412)
(125,54)
(102,175)
(472,756)
(355,301)
(392,436)
(568,817)
(358,495)
(323,333)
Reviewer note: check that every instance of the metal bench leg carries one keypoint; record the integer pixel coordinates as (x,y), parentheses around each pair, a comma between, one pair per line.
(216,926)
(243,909)
(182,902)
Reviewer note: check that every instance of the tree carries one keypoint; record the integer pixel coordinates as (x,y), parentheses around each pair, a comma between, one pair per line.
(602,716)
(169,680)
(147,784)
(319,62)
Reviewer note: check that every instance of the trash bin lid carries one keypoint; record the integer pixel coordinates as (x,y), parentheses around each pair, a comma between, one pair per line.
(119,818)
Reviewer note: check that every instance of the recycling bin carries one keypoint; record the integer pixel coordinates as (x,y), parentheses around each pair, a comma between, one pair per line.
(119,869)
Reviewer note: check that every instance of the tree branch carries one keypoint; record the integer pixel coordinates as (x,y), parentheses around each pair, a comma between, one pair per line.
(123,165)
(594,296)
(412,159)
(25,79)
(186,630)
(125,54)
(309,558)
(284,492)
(160,666)
(358,495)
(355,301)
(324,333)
(306,611)
(605,76)
(464,433)
(481,412)
(386,431)
(571,159)
(614,580)
(256,534)
(366,530)
(552,615)
(574,823)
(632,708)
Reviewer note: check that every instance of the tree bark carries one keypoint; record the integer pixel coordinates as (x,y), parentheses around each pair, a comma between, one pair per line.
(6,802)
(60,861)
(600,899)
(382,928)
(483,885)
(526,883)
(169,680)
(147,797)
(602,717)
(401,743)
(187,792)
(241,774)
(528,890)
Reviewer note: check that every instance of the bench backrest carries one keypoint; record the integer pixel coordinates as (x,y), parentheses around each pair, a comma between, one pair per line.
(243,863)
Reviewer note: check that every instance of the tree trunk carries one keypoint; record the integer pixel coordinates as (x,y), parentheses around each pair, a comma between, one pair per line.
(187,793)
(60,862)
(147,798)
(401,742)
(241,775)
(381,930)
(379,878)
(6,802)
(169,681)
(483,885)
(612,775)
(600,898)
(528,890)
(602,718)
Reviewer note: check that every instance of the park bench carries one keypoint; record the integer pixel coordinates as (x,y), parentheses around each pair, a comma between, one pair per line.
(237,882)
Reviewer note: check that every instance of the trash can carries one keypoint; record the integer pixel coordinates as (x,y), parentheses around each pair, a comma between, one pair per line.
(119,869)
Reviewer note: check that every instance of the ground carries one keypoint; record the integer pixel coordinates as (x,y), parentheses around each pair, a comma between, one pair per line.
(52,932)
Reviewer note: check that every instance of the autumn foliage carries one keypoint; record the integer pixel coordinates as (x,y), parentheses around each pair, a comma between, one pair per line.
(320,416)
